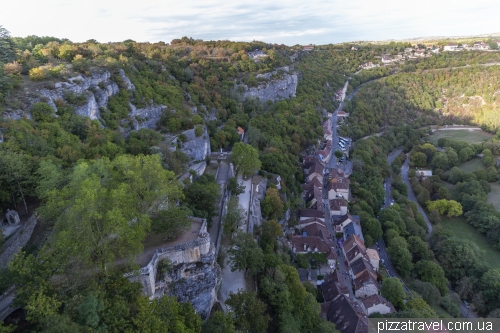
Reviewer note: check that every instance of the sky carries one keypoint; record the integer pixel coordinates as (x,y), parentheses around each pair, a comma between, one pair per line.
(287,22)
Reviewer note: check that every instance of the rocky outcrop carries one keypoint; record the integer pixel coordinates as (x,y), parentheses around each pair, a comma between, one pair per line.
(193,276)
(97,88)
(126,80)
(275,89)
(196,147)
(146,117)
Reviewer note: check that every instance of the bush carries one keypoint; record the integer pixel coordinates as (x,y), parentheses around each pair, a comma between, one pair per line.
(75,99)
(38,74)
(12,68)
(42,112)
(198,131)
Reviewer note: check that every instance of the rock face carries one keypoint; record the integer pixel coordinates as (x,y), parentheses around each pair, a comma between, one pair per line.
(193,277)
(97,88)
(276,89)
(147,117)
(196,147)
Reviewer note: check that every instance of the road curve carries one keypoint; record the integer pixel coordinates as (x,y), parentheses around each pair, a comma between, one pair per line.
(412,197)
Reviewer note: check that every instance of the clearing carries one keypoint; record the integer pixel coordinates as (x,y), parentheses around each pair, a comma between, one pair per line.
(470,136)
(494,195)
(463,230)
(472,165)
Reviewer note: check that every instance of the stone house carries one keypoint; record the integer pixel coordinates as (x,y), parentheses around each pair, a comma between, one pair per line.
(306,214)
(353,248)
(353,229)
(374,258)
(347,315)
(338,206)
(339,187)
(339,222)
(334,287)
(377,303)
(366,285)
(312,170)
(313,220)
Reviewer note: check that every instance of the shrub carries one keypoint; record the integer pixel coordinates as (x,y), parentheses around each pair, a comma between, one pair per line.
(198,131)
(42,112)
(75,99)
(12,68)
(38,74)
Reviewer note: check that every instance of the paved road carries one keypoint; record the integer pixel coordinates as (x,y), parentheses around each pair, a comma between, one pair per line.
(412,197)
(388,199)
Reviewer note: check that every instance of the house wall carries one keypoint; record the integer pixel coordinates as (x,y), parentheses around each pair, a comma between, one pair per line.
(380,308)
(367,290)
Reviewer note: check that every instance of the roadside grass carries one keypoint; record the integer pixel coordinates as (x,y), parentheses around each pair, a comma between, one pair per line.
(463,230)
(462,135)
(472,165)
(494,195)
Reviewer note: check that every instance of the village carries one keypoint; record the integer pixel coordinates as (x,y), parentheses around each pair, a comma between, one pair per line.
(350,279)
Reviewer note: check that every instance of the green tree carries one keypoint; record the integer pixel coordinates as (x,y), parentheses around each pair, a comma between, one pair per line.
(270,230)
(235,188)
(42,112)
(245,159)
(490,283)
(248,312)
(429,271)
(245,254)
(400,256)
(272,205)
(392,289)
(202,195)
(219,322)
(173,221)
(235,215)
(418,159)
(418,248)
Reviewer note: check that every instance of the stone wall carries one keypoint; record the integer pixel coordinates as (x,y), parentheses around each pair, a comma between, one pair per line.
(17,241)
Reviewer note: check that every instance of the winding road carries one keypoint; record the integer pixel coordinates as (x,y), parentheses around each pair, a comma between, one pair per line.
(412,197)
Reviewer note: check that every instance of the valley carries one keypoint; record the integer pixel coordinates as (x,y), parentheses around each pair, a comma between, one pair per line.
(191,185)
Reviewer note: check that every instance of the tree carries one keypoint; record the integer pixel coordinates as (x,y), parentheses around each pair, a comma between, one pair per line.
(418,159)
(219,322)
(7,46)
(245,254)
(270,230)
(235,215)
(434,217)
(103,213)
(490,283)
(418,248)
(245,158)
(201,196)
(400,255)
(392,289)
(338,154)
(448,207)
(429,271)
(17,173)
(248,312)
(173,221)
(272,205)
(235,188)
(42,112)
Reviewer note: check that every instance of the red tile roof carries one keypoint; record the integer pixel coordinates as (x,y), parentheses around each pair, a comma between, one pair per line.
(373,300)
(241,130)
(337,203)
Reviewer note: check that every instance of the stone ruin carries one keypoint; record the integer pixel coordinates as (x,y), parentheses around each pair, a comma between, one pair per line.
(12,217)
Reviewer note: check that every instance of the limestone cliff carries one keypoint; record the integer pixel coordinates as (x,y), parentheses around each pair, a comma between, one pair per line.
(193,274)
(146,117)
(97,88)
(196,147)
(274,89)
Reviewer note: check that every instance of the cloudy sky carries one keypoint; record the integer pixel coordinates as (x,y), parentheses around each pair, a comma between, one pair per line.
(289,22)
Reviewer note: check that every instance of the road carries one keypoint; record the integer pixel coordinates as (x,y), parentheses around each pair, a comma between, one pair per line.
(412,197)
(388,199)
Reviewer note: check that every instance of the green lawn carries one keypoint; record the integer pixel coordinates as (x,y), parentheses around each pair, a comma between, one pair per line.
(452,189)
(463,135)
(494,195)
(472,165)
(463,230)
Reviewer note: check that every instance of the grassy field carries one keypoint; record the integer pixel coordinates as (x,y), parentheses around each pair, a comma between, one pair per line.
(463,230)
(452,189)
(463,135)
(472,165)
(494,195)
